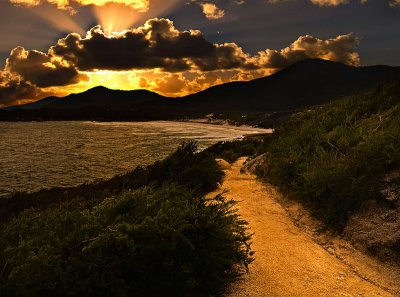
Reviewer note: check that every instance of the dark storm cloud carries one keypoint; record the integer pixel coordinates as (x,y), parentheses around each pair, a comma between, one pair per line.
(14,89)
(41,69)
(157,44)
(226,56)
(27,72)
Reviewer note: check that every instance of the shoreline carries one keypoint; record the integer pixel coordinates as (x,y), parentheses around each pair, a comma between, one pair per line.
(208,133)
(217,123)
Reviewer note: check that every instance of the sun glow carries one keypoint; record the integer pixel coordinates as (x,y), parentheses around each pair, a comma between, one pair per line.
(115,17)
(140,5)
(117,80)
(121,80)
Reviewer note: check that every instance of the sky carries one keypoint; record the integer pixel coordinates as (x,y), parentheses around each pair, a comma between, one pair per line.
(178,47)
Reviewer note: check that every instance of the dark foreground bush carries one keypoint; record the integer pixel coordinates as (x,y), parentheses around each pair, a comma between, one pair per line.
(196,171)
(335,157)
(148,242)
(149,232)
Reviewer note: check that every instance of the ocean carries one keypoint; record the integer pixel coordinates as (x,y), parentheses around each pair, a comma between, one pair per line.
(39,155)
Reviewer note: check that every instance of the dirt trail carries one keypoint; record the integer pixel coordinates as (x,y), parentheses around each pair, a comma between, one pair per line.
(288,259)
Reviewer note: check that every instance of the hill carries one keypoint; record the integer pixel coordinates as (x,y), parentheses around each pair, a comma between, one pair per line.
(343,161)
(304,84)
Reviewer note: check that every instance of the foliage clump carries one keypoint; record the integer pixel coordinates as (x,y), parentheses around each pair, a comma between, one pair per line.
(230,151)
(335,157)
(161,239)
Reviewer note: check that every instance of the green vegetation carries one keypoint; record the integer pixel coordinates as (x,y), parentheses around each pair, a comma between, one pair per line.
(154,235)
(232,150)
(334,157)
(196,171)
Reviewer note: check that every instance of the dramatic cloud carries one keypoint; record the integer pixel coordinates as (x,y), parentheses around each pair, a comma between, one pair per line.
(27,72)
(340,49)
(13,89)
(212,12)
(41,69)
(157,44)
(140,5)
(155,56)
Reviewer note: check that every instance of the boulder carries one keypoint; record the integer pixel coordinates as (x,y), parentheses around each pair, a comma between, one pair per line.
(251,165)
(224,165)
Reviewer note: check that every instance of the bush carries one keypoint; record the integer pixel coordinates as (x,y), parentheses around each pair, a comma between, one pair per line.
(186,167)
(150,232)
(230,151)
(149,242)
(334,157)
(196,171)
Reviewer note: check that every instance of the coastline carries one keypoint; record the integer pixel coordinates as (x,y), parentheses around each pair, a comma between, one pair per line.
(45,195)
(95,149)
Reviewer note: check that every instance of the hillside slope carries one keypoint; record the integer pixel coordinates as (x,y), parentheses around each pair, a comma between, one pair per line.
(343,157)
(288,260)
(306,83)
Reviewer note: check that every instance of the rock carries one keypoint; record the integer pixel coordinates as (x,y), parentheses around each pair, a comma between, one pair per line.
(251,165)
(224,165)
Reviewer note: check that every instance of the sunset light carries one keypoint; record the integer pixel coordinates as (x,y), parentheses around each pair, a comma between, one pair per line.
(116,17)
(174,48)
(213,148)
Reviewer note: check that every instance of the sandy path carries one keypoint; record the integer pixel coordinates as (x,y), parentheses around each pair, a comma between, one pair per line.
(289,262)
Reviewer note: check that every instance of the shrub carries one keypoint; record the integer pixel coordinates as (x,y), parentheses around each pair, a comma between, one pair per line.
(196,171)
(164,241)
(186,167)
(334,157)
(230,151)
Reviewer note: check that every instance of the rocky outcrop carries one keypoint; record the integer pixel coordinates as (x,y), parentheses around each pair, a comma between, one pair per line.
(224,165)
(251,165)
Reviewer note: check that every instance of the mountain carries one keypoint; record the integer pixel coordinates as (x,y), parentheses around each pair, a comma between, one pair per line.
(96,97)
(304,84)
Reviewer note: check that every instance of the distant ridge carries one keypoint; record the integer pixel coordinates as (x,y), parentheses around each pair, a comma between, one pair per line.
(304,84)
(96,97)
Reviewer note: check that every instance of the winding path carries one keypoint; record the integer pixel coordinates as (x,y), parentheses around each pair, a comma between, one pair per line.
(288,260)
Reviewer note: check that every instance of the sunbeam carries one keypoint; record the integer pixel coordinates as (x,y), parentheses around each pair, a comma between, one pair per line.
(114,17)
(61,20)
